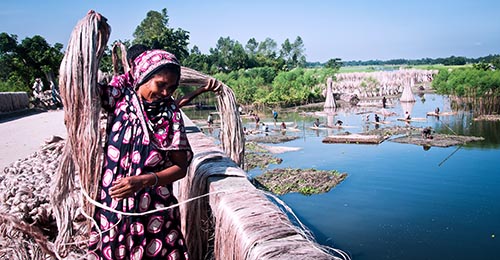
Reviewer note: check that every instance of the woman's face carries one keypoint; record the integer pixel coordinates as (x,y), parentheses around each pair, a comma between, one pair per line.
(161,85)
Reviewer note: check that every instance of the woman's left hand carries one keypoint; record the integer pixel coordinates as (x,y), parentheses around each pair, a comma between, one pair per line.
(126,187)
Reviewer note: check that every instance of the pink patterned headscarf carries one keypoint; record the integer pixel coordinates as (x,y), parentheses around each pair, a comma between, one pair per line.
(149,62)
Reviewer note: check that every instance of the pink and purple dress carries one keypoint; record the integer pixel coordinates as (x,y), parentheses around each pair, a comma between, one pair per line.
(140,137)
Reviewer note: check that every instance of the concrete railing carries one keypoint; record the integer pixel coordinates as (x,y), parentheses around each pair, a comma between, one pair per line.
(242,222)
(13,101)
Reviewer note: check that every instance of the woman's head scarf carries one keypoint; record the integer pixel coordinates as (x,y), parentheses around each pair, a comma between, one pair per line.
(149,62)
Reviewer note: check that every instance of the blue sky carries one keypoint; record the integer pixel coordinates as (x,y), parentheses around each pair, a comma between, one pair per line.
(346,29)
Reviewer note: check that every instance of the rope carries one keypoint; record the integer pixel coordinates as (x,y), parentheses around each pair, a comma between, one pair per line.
(446,126)
(100,205)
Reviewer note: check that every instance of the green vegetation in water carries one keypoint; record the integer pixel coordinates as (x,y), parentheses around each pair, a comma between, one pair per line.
(304,181)
(253,160)
(257,156)
(467,82)
(275,139)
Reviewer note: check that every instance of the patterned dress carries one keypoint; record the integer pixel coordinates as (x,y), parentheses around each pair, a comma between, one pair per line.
(139,140)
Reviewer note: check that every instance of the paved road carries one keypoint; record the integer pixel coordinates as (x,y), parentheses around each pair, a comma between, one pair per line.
(23,135)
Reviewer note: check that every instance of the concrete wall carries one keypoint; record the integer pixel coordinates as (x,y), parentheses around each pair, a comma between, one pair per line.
(13,101)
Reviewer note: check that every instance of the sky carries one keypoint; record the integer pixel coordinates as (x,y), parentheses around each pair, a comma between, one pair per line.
(346,29)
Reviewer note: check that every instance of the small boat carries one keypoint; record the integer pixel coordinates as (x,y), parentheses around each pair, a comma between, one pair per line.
(381,122)
(414,119)
(341,126)
(318,128)
(441,113)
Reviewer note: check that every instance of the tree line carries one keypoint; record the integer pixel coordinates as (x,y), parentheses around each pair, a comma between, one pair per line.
(449,61)
(262,72)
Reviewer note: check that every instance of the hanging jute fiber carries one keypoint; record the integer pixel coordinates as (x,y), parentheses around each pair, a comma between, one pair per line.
(82,106)
(231,134)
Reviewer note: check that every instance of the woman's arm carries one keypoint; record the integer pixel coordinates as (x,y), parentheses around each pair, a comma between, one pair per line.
(126,187)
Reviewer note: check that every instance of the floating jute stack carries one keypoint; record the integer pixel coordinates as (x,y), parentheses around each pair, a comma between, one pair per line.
(330,100)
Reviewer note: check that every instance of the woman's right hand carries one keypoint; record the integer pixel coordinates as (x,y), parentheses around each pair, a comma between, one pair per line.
(213,85)
(128,186)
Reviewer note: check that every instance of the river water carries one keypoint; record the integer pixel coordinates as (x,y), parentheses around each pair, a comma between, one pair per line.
(401,201)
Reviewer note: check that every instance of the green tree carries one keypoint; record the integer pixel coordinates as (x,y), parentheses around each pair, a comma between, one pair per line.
(251,46)
(298,56)
(229,55)
(154,32)
(267,48)
(335,64)
(198,61)
(32,58)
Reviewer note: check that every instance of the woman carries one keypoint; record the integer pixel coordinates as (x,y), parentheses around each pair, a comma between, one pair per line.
(146,151)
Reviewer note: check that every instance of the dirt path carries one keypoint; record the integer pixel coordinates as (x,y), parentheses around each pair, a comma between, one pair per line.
(21,136)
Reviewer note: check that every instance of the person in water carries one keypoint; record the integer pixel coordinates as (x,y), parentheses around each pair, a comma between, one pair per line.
(316,123)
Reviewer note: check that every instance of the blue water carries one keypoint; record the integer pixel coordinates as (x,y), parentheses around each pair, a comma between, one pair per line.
(399,200)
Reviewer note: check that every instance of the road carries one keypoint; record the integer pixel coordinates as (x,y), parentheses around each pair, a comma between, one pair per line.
(23,135)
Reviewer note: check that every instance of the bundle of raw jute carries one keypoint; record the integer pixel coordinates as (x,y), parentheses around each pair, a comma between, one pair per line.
(82,107)
(231,137)
(122,58)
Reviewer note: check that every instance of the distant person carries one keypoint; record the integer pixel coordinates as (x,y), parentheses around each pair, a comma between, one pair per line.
(377,118)
(436,110)
(283,126)
(384,101)
(339,123)
(240,110)
(37,87)
(56,98)
(407,116)
(257,119)
(427,133)
(210,120)
(265,128)
(316,123)
(367,118)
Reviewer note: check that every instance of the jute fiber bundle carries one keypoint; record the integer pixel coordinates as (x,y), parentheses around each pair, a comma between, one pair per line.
(231,137)
(83,151)
(122,58)
(330,100)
